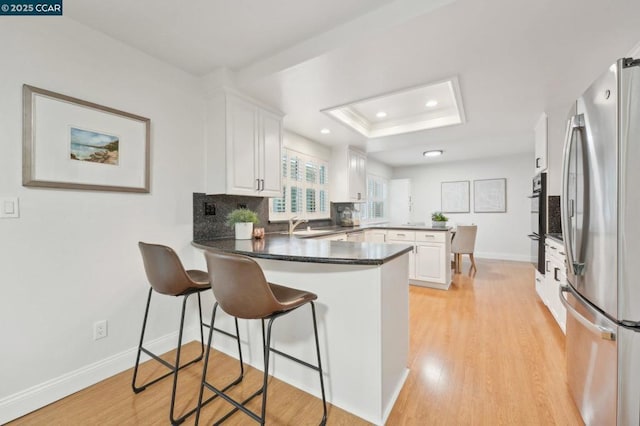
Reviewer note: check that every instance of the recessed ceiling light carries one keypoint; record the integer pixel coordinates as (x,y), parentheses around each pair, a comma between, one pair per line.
(431,103)
(433,153)
(381,114)
(325,131)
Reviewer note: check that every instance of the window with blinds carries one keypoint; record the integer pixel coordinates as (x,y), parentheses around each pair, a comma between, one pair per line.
(305,188)
(375,207)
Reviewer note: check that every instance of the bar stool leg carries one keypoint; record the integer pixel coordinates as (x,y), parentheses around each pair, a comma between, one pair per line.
(144,327)
(177,366)
(265,380)
(206,364)
(315,332)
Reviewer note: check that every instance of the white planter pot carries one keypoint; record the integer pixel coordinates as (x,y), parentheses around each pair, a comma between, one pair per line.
(438,224)
(244,230)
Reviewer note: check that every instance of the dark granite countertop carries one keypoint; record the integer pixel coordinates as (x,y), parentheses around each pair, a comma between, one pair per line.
(555,236)
(284,247)
(330,230)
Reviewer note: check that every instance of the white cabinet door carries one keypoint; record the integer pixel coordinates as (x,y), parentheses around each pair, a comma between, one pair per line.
(242,145)
(541,286)
(357,175)
(375,236)
(270,154)
(356,236)
(541,144)
(555,276)
(348,175)
(430,262)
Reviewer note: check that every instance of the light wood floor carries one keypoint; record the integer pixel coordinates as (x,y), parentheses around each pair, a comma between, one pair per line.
(486,352)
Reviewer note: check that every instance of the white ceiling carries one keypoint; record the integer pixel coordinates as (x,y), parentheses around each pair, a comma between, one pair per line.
(513,59)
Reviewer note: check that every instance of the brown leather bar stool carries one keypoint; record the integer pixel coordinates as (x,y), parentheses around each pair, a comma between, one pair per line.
(166,275)
(241,290)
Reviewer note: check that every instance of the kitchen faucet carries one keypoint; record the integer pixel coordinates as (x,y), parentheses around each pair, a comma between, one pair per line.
(292,224)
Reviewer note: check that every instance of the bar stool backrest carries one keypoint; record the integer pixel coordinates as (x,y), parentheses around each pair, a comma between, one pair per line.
(164,269)
(465,239)
(240,287)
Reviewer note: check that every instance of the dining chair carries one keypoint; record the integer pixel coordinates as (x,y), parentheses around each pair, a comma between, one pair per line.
(464,242)
(242,291)
(167,276)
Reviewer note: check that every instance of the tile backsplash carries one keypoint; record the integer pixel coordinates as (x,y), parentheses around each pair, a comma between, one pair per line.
(553,215)
(210,214)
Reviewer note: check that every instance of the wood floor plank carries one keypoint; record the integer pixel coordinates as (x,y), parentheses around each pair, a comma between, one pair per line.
(486,352)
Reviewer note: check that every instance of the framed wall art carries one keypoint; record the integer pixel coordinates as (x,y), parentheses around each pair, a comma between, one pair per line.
(74,144)
(490,195)
(455,197)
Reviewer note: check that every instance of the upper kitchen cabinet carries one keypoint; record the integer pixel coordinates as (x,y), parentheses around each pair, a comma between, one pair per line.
(243,145)
(349,175)
(540,132)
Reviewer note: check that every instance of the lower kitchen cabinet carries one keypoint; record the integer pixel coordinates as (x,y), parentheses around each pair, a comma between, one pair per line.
(356,236)
(375,236)
(555,276)
(430,262)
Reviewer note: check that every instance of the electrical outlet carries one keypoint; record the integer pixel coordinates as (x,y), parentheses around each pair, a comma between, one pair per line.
(209,209)
(99,329)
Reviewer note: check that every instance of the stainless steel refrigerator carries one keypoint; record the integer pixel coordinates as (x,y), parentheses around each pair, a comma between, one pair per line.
(601,230)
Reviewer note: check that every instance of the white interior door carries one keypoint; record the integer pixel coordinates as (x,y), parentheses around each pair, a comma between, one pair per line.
(400,201)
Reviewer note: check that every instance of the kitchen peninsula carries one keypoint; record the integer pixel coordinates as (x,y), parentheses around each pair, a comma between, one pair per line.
(363,314)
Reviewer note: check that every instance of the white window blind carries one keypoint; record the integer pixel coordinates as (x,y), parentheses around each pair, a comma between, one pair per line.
(305,188)
(375,209)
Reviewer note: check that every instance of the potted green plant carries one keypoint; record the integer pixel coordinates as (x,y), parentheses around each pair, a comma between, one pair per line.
(438,220)
(243,221)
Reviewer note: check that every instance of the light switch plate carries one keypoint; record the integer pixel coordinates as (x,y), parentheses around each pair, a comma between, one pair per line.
(9,207)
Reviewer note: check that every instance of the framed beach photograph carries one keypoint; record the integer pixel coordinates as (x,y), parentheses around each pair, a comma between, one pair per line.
(74,144)
(490,195)
(454,197)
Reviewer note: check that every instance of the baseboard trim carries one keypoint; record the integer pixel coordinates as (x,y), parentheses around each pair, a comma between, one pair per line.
(503,256)
(35,397)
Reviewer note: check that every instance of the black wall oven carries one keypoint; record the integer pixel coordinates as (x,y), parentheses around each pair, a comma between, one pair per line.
(538,220)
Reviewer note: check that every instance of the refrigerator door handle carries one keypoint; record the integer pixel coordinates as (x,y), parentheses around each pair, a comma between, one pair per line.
(604,332)
(568,210)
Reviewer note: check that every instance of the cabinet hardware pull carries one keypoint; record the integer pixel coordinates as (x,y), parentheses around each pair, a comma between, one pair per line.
(538,162)
(262,182)
(555,274)
(258,184)
(548,270)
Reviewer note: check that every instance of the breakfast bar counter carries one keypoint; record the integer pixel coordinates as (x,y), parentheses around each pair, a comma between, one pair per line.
(363,318)
(294,249)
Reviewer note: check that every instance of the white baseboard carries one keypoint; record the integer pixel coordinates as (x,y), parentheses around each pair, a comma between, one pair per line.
(503,256)
(35,397)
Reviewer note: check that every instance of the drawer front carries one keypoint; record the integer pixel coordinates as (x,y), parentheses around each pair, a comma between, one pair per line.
(401,235)
(555,250)
(431,237)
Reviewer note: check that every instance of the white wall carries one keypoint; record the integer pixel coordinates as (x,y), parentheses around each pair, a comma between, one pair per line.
(500,235)
(303,145)
(72,258)
(379,169)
